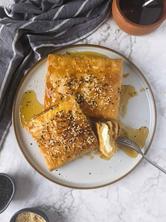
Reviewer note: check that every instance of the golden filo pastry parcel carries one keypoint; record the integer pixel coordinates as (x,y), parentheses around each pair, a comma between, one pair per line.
(95,82)
(63,133)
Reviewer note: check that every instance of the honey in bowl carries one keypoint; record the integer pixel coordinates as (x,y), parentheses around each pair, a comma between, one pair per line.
(142,12)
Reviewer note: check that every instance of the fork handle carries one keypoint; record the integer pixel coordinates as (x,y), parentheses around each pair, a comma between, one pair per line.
(154,164)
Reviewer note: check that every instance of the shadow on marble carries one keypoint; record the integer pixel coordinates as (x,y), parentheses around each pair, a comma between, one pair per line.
(24,187)
(54,215)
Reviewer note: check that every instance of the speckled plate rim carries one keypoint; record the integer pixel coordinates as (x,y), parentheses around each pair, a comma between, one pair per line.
(38,63)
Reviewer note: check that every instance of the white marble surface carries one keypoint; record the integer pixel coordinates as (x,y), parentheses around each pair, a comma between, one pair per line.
(141,196)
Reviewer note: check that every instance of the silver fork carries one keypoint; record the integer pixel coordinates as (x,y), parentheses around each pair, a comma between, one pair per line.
(132,145)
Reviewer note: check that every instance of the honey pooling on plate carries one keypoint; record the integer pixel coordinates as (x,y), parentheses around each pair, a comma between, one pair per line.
(127,92)
(29,107)
(88,53)
(139,136)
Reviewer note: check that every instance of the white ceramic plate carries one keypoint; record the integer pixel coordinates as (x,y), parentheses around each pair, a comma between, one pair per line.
(87,172)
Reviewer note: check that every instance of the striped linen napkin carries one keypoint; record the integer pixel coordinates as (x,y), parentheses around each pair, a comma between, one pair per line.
(30,29)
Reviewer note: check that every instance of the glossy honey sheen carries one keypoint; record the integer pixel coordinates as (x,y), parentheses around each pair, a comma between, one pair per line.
(29,107)
(87,53)
(127,92)
(142,12)
(139,136)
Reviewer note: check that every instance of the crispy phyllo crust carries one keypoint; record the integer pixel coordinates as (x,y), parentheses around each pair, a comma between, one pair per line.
(94,81)
(63,133)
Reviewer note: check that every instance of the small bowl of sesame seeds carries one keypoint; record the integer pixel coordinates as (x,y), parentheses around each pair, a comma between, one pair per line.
(29,215)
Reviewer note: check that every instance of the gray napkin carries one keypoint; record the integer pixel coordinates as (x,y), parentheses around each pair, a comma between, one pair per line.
(30,29)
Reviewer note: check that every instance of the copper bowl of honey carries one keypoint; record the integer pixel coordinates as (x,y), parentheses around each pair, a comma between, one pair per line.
(139,17)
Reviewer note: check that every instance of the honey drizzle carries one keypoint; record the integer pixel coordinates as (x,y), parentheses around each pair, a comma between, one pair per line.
(125,75)
(87,53)
(29,107)
(127,92)
(139,136)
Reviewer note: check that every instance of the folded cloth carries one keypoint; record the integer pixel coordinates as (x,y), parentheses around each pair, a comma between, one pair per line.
(30,29)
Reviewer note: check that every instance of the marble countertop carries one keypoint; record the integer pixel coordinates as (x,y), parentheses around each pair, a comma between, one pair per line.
(141,196)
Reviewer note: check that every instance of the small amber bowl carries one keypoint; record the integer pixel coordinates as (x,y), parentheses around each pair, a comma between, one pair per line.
(130,27)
